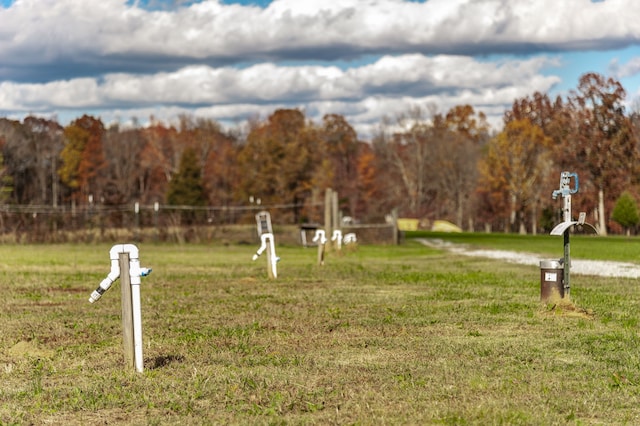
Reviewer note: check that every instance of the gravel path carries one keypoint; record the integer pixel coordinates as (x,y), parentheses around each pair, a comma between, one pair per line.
(601,268)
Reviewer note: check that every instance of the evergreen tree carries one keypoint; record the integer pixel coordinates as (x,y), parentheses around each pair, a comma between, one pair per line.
(6,182)
(186,187)
(625,212)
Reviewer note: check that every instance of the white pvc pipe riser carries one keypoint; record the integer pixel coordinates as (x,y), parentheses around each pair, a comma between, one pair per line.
(137,326)
(274,258)
(320,236)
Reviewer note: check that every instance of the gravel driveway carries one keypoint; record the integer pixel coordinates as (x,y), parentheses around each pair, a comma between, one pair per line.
(601,268)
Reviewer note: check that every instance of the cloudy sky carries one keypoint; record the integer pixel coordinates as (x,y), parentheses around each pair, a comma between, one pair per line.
(364,59)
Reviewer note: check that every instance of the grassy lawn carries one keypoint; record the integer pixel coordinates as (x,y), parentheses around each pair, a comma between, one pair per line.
(379,335)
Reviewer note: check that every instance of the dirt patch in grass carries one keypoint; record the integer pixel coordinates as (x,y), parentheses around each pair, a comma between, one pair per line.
(24,349)
(564,307)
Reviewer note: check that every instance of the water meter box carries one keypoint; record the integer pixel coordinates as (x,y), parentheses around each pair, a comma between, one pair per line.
(551,280)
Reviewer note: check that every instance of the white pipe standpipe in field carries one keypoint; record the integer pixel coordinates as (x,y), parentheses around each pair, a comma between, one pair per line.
(320,239)
(350,238)
(130,295)
(268,244)
(337,238)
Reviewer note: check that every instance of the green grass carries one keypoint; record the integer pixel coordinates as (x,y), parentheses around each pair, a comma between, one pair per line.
(380,335)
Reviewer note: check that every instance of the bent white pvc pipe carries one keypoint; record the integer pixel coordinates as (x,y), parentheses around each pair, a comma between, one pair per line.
(114,274)
(320,237)
(135,273)
(267,239)
(263,246)
(350,238)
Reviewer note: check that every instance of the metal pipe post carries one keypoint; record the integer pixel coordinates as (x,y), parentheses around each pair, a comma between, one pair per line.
(567,264)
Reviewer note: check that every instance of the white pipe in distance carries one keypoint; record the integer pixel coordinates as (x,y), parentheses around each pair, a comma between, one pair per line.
(350,238)
(337,237)
(320,237)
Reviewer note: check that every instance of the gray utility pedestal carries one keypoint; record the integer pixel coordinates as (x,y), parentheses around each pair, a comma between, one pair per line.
(551,280)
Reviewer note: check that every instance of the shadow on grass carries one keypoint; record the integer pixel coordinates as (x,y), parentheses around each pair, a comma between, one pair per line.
(164,360)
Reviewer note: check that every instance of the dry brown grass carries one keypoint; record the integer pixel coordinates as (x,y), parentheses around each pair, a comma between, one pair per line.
(382,335)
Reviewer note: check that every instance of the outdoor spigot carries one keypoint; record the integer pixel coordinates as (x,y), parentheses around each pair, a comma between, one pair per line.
(565,182)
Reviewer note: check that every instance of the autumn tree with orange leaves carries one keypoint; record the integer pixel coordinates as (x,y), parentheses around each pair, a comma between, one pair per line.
(592,136)
(341,148)
(278,161)
(603,144)
(425,164)
(83,157)
(516,162)
(159,159)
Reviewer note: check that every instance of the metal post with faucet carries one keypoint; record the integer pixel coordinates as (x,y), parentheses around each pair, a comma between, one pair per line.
(563,228)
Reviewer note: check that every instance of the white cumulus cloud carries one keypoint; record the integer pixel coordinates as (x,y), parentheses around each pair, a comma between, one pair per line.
(360,58)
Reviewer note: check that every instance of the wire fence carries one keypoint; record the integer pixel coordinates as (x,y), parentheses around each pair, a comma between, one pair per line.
(157,222)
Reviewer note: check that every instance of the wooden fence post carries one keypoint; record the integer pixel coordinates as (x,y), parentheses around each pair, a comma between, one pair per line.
(127,312)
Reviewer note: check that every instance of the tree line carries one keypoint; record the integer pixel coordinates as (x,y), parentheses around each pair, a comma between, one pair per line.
(424,163)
